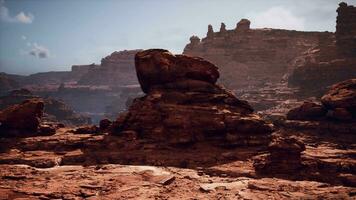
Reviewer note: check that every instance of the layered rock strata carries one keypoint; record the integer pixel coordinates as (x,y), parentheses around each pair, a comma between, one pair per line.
(248,57)
(284,157)
(331,61)
(183,104)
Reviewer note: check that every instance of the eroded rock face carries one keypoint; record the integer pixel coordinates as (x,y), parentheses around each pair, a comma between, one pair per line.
(115,69)
(249,57)
(339,103)
(158,67)
(183,104)
(346,30)
(25,116)
(331,61)
(341,95)
(284,156)
(307,111)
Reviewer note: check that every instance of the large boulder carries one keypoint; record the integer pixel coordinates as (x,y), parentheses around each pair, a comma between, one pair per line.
(159,66)
(307,111)
(25,116)
(54,110)
(341,95)
(183,104)
(284,157)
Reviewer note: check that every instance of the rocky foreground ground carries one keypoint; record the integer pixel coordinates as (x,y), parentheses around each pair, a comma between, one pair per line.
(86,166)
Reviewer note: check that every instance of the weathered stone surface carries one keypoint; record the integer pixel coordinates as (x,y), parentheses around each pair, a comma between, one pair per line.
(87,130)
(284,157)
(250,57)
(340,114)
(158,66)
(243,25)
(183,104)
(307,111)
(341,95)
(54,110)
(332,60)
(104,124)
(115,69)
(346,30)
(25,116)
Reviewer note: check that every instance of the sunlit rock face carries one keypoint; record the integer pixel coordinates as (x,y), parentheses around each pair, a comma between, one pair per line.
(248,57)
(331,61)
(184,105)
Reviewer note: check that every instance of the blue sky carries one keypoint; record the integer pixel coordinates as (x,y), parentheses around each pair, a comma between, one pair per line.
(52,35)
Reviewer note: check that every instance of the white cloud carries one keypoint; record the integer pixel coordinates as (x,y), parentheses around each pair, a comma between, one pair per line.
(23,37)
(39,51)
(21,17)
(276,17)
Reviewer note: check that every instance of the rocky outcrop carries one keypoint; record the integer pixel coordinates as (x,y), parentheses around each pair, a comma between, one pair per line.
(54,110)
(249,57)
(331,61)
(284,157)
(307,111)
(6,83)
(313,78)
(158,67)
(346,30)
(184,105)
(341,96)
(339,103)
(22,117)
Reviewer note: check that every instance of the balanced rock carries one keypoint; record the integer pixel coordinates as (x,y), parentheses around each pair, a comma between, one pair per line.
(183,104)
(24,117)
(158,66)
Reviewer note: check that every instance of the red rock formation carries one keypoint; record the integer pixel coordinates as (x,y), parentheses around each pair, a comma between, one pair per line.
(346,30)
(252,56)
(329,62)
(339,103)
(159,67)
(307,111)
(55,110)
(341,95)
(24,117)
(183,104)
(284,157)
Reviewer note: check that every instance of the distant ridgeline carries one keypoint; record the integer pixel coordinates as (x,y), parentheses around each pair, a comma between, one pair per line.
(248,56)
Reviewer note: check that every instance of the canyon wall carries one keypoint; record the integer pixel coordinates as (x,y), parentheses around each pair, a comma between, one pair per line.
(331,61)
(248,57)
(115,69)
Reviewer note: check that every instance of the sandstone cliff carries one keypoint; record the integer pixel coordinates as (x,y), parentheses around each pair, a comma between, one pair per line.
(115,69)
(331,61)
(250,56)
